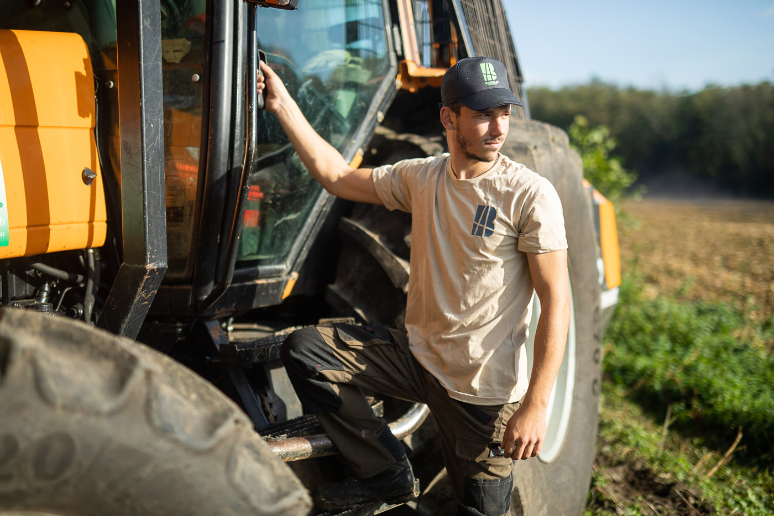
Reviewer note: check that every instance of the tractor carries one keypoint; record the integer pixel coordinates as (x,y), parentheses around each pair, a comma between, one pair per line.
(159,239)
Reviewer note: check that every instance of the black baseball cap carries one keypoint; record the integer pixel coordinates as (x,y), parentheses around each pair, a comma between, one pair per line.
(479,83)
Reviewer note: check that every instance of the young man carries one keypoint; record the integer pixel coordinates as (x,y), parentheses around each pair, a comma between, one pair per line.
(485,232)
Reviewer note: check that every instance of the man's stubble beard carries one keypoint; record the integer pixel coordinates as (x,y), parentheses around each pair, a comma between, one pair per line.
(464,145)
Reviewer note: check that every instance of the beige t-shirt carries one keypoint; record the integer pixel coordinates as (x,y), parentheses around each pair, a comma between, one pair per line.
(470,290)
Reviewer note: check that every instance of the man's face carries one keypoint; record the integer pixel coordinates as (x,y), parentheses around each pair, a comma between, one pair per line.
(480,134)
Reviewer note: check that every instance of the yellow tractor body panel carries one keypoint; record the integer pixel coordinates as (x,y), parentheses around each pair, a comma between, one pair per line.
(47,119)
(608,236)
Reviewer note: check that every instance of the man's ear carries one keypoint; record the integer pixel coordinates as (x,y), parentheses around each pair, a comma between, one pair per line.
(447,119)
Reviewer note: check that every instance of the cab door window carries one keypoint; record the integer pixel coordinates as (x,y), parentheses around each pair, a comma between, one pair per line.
(333,57)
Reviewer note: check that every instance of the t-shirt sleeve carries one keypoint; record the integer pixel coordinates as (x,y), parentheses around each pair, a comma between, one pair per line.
(541,223)
(394,183)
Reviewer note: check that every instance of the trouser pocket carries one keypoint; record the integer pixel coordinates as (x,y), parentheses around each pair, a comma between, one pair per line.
(487,483)
(493,418)
(479,458)
(359,337)
(477,413)
(486,497)
(304,354)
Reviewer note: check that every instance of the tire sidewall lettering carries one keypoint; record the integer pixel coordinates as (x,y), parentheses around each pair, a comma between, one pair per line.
(45,460)
(52,457)
(9,449)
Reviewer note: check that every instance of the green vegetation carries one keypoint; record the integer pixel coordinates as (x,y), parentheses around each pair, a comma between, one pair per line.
(668,476)
(602,170)
(722,133)
(687,409)
(709,361)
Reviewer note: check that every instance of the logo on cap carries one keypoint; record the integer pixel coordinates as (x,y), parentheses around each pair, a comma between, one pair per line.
(488,71)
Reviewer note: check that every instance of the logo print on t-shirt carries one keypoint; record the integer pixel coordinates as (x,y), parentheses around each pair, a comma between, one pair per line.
(483,222)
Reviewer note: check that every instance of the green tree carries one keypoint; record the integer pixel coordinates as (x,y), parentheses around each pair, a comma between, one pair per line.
(719,133)
(605,172)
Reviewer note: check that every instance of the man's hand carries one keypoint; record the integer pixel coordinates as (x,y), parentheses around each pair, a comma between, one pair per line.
(276,93)
(525,432)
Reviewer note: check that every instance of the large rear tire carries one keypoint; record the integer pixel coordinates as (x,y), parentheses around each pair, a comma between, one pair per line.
(557,482)
(94,424)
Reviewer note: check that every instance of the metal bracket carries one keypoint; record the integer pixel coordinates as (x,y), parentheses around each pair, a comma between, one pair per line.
(235,375)
(141,119)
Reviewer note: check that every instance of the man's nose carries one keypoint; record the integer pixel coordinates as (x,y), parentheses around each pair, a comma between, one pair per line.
(499,126)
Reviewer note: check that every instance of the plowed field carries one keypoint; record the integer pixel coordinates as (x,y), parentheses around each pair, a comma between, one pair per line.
(715,250)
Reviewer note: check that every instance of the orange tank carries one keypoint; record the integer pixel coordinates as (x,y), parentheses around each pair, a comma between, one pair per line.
(47,118)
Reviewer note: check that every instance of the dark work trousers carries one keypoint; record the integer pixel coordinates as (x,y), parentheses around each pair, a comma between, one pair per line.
(329,365)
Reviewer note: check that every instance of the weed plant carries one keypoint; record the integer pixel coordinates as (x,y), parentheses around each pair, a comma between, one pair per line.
(709,361)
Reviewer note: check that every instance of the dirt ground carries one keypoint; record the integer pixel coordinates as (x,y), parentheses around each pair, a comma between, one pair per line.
(723,248)
(632,482)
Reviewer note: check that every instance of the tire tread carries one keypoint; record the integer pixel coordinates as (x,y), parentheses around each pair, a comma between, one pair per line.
(82,377)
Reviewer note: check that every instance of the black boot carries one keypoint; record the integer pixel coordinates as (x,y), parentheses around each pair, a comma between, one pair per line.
(393,485)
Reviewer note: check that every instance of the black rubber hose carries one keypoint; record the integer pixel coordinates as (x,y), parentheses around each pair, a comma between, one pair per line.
(58,273)
(88,297)
(98,302)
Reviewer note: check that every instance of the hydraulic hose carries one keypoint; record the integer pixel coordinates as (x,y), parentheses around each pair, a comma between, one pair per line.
(58,273)
(88,295)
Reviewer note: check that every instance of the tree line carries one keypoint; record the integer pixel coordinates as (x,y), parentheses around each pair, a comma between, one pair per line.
(723,133)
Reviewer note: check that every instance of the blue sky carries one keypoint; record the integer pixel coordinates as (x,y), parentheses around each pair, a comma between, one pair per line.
(677,44)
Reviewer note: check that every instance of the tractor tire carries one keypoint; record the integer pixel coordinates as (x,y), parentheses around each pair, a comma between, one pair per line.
(373,270)
(94,424)
(557,482)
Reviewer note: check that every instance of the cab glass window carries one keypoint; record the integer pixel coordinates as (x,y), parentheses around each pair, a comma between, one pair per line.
(332,56)
(182,64)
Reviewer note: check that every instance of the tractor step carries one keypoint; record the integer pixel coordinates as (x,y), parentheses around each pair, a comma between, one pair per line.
(265,348)
(245,352)
(304,438)
(366,509)
(305,426)
(299,427)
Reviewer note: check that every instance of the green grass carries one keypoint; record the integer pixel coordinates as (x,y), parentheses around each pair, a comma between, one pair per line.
(709,361)
(628,434)
(712,366)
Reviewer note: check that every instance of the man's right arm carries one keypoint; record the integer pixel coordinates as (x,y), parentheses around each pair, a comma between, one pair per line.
(322,160)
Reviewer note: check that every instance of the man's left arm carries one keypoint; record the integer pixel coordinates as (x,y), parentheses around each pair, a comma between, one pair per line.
(527,427)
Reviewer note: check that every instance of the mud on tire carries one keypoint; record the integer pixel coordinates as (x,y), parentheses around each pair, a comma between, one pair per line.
(94,424)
